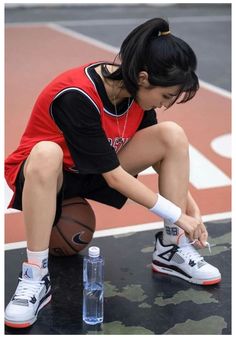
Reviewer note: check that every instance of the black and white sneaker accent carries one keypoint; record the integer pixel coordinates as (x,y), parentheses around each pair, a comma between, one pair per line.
(184,262)
(32,294)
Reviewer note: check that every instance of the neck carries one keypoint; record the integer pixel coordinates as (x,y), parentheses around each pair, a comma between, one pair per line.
(115,90)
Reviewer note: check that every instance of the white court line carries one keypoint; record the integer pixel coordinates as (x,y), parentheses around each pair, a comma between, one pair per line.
(130,229)
(82,37)
(223,179)
(56,26)
(203,173)
(112,49)
(115,50)
(121,22)
(215,89)
(153,226)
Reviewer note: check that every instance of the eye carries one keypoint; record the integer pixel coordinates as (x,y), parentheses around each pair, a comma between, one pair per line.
(166,97)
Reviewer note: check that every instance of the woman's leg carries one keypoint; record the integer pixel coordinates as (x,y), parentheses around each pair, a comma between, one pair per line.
(43,179)
(165,147)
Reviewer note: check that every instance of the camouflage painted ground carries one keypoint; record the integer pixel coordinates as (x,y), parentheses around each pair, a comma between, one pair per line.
(137,301)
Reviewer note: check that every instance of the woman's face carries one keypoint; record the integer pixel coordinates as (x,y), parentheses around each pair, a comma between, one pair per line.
(157,97)
(149,97)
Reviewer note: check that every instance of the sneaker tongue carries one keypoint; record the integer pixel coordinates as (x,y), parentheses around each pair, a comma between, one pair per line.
(31,272)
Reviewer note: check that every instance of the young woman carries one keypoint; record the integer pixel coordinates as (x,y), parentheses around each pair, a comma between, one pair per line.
(91,131)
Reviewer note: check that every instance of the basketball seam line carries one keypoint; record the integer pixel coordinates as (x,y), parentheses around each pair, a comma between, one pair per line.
(65,239)
(67,218)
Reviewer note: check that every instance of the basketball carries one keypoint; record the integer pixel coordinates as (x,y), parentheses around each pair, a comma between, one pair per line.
(75,228)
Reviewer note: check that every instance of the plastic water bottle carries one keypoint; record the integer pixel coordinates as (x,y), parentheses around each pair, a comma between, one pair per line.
(93,294)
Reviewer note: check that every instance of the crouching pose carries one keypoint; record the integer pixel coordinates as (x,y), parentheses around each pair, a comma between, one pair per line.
(92,130)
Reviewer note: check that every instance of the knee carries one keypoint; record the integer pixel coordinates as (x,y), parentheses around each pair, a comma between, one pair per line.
(44,162)
(173,135)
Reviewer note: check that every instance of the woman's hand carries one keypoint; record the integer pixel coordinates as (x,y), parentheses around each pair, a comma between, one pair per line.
(192,224)
(194,229)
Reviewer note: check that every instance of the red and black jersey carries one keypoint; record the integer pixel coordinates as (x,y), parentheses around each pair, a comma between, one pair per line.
(73,112)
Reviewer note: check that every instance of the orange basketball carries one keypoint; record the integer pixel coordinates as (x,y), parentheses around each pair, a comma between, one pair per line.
(75,228)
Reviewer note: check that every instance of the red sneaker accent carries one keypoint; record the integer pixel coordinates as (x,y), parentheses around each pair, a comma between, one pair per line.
(19,326)
(210,282)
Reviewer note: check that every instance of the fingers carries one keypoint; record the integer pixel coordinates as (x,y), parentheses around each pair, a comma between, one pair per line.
(201,235)
(193,233)
(196,234)
(194,229)
(188,224)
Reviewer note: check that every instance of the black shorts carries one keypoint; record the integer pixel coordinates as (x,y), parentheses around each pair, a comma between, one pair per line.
(90,186)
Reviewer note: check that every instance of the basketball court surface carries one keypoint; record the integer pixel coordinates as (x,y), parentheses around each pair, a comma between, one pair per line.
(41,43)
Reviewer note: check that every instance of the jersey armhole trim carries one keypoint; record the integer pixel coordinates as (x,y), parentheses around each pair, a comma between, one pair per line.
(73,89)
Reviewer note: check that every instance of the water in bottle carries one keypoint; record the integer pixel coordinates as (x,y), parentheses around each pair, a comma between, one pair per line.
(93,294)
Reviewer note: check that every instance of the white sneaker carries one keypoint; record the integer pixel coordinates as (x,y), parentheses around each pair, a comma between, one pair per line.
(32,294)
(184,262)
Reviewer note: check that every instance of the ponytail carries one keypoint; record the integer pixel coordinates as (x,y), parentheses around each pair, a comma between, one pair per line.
(168,60)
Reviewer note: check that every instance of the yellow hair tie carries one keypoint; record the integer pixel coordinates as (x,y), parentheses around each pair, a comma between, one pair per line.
(164,33)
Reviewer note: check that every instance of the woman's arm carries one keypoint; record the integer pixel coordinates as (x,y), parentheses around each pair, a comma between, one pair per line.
(193,210)
(132,188)
(129,186)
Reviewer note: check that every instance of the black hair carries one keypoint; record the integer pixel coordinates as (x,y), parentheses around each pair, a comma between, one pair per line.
(167,59)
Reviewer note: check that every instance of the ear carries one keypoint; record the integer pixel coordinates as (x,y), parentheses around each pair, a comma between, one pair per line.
(143,79)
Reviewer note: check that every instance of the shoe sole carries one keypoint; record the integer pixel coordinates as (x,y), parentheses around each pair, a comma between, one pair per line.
(21,325)
(168,271)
